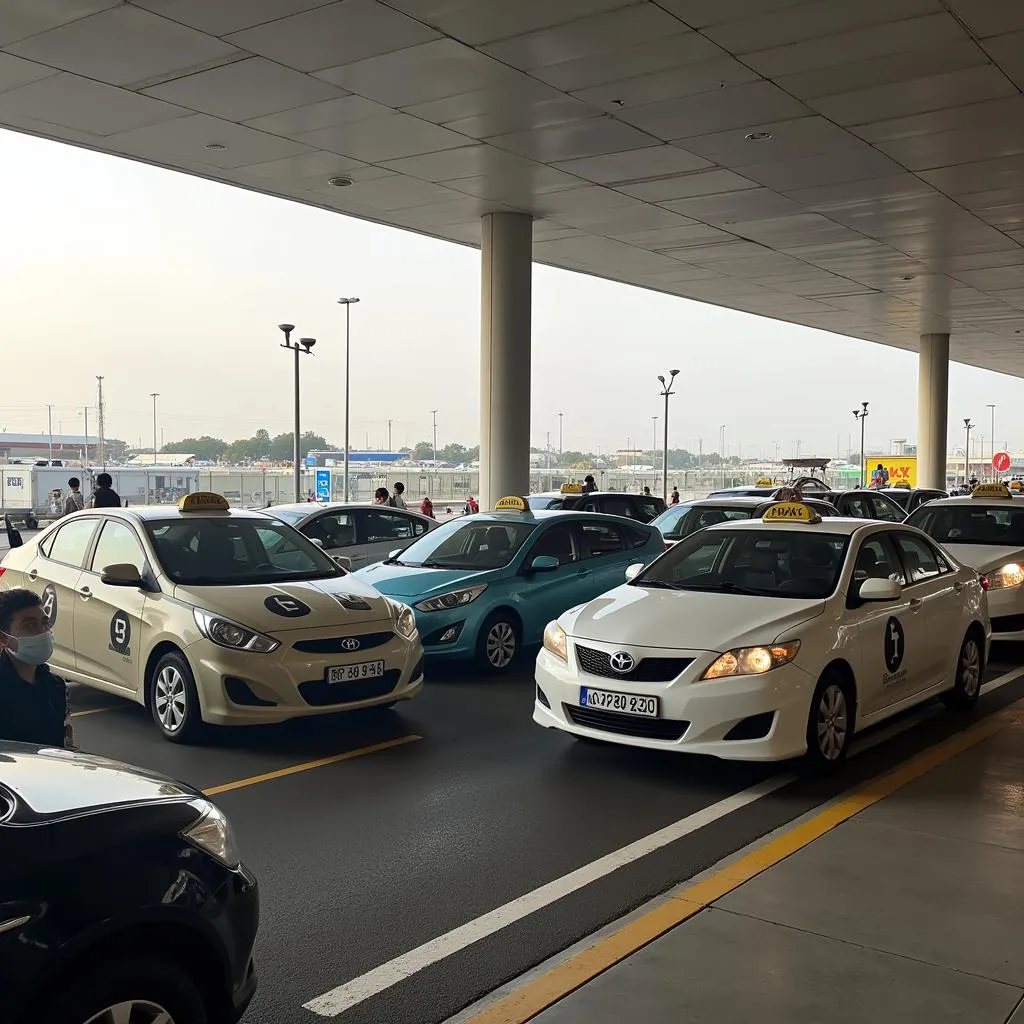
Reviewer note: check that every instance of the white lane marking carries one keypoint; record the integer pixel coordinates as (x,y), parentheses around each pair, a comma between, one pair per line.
(344,997)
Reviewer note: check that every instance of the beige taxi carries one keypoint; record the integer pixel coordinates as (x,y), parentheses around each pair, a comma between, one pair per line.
(208,614)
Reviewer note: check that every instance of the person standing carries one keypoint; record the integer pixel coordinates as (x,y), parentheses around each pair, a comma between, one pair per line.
(75,500)
(33,700)
(381,496)
(105,496)
(397,498)
(427,508)
(589,486)
(674,500)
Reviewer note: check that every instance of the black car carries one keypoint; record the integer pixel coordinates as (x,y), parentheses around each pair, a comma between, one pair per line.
(910,498)
(641,508)
(122,897)
(865,504)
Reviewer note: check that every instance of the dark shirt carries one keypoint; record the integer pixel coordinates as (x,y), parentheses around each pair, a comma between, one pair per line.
(32,712)
(106,497)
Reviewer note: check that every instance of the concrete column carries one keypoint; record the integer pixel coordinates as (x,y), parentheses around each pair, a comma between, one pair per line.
(506,278)
(932,410)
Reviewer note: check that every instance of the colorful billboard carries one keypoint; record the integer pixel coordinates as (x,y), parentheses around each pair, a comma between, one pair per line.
(902,469)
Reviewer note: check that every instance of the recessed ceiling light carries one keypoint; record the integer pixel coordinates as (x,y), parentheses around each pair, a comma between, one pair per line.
(338,181)
(216,145)
(758,136)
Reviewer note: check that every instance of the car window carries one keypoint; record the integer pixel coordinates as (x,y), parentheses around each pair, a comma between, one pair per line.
(600,540)
(650,508)
(971,523)
(682,520)
(858,506)
(72,541)
(877,559)
(886,509)
(375,527)
(920,560)
(469,544)
(556,542)
(332,529)
(635,537)
(118,545)
(541,502)
(612,505)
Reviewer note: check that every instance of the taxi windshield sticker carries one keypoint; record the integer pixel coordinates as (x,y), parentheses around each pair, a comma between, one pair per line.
(511,504)
(791,512)
(204,501)
(894,649)
(49,602)
(121,634)
(572,488)
(991,491)
(289,607)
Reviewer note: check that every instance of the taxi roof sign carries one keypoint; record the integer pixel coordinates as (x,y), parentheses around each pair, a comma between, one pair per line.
(764,481)
(902,485)
(991,491)
(572,488)
(204,501)
(791,512)
(513,503)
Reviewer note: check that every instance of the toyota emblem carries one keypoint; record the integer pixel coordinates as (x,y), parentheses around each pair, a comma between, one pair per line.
(350,643)
(622,662)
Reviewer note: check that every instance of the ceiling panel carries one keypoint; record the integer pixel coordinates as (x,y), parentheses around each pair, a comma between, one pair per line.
(559,142)
(634,164)
(516,189)
(733,207)
(1008,109)
(964,145)
(309,118)
(224,16)
(852,164)
(315,168)
(687,186)
(28,19)
(1007,172)
(384,138)
(14,71)
(989,17)
(702,13)
(465,162)
(801,137)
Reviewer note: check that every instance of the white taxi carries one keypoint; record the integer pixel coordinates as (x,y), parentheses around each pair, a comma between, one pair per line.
(767,639)
(205,613)
(986,532)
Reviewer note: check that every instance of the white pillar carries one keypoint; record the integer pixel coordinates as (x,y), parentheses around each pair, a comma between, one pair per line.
(932,410)
(507,268)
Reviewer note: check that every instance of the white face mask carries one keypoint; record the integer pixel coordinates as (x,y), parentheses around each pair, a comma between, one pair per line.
(32,650)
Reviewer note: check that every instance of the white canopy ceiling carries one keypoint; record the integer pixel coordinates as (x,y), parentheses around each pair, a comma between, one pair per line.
(853,166)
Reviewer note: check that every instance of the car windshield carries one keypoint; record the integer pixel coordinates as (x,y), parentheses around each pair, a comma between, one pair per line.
(681,520)
(1001,525)
(228,551)
(468,544)
(766,563)
(900,495)
(289,515)
(540,502)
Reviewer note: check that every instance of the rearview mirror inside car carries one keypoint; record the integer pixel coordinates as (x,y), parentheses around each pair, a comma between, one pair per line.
(634,570)
(879,590)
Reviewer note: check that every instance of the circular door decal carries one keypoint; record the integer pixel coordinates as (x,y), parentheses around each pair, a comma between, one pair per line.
(120,634)
(894,645)
(289,607)
(49,598)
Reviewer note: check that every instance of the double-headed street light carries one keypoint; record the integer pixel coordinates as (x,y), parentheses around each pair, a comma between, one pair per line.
(305,346)
(968,426)
(348,303)
(666,392)
(862,414)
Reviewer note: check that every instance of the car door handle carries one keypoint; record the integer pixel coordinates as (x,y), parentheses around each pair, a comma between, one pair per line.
(85,592)
(958,586)
(915,604)
(33,574)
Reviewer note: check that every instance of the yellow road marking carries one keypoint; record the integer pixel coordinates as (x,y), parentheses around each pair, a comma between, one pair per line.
(535,996)
(306,766)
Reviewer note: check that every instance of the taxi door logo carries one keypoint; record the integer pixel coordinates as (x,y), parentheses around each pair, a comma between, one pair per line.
(289,607)
(121,634)
(895,648)
(49,604)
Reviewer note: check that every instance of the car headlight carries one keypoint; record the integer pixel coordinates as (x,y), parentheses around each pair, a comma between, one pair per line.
(456,599)
(751,661)
(211,832)
(1010,575)
(225,633)
(404,619)
(554,641)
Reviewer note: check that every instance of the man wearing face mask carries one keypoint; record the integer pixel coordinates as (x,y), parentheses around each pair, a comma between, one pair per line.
(33,701)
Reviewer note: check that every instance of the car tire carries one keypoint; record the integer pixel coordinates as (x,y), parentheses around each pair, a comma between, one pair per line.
(498,643)
(156,985)
(970,664)
(174,700)
(829,723)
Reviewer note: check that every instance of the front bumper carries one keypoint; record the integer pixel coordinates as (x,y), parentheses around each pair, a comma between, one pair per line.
(239,688)
(450,634)
(774,707)
(1006,610)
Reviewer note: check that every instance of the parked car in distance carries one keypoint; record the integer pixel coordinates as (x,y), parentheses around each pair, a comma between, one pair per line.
(641,508)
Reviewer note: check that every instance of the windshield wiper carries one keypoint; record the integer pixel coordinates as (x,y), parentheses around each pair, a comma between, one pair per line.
(725,586)
(660,584)
(393,561)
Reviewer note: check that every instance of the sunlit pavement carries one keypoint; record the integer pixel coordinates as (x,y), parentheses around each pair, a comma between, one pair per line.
(376,833)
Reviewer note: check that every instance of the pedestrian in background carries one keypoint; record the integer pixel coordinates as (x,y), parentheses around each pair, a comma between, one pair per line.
(105,496)
(75,500)
(588,484)
(381,496)
(675,495)
(427,508)
(397,498)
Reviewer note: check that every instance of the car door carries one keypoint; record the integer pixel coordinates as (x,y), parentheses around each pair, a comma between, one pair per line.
(855,505)
(604,557)
(379,531)
(54,574)
(548,594)
(336,531)
(110,621)
(886,509)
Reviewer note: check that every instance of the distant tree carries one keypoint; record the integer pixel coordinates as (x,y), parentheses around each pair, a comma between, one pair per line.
(281,445)
(116,449)
(424,450)
(205,448)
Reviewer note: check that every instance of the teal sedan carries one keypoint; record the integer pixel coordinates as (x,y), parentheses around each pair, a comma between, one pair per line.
(485,586)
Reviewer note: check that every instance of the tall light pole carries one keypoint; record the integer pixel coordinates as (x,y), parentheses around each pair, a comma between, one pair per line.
(304,345)
(85,457)
(348,303)
(992,410)
(666,392)
(968,426)
(560,415)
(389,434)
(433,412)
(862,414)
(102,438)
(49,426)
(154,395)
(721,449)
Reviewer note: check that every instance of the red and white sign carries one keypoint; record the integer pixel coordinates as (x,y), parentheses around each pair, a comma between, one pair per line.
(1001,462)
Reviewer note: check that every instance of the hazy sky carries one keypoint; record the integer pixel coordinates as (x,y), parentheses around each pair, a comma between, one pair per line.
(167,283)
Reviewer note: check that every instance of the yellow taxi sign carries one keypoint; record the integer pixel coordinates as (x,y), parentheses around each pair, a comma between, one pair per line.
(991,491)
(764,481)
(791,512)
(513,503)
(204,501)
(902,485)
(572,488)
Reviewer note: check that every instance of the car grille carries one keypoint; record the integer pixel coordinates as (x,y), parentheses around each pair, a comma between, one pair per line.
(334,644)
(626,725)
(1007,623)
(648,670)
(321,694)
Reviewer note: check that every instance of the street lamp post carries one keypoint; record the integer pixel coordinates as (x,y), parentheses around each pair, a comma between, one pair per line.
(348,303)
(654,446)
(862,414)
(154,395)
(721,449)
(666,392)
(304,345)
(49,427)
(992,410)
(968,426)
(560,415)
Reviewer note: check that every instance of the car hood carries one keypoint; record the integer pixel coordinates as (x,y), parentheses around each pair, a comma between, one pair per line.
(687,619)
(51,783)
(407,582)
(272,608)
(984,557)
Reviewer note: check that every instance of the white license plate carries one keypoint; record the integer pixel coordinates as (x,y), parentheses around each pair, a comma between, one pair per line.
(351,673)
(624,703)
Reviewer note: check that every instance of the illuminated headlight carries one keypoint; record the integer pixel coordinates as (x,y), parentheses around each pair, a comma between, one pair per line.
(236,637)
(554,641)
(456,599)
(211,832)
(751,661)
(404,619)
(1011,575)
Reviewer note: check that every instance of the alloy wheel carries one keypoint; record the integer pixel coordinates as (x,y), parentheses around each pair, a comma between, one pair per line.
(501,644)
(133,1011)
(970,668)
(170,701)
(831,725)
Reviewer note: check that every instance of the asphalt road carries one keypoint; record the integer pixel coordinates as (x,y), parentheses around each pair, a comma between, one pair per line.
(450,807)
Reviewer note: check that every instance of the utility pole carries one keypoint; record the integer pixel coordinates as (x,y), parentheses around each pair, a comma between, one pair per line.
(433,412)
(85,457)
(560,449)
(992,435)
(154,395)
(103,436)
(49,426)
(389,435)
(862,414)
(666,392)
(969,426)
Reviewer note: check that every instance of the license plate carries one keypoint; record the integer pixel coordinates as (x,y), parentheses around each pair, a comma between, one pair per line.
(350,673)
(624,703)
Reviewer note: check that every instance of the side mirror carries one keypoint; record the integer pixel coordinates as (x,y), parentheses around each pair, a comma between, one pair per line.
(121,574)
(879,590)
(345,563)
(544,563)
(317,541)
(395,553)
(634,570)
